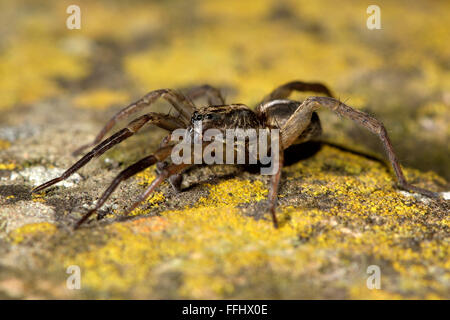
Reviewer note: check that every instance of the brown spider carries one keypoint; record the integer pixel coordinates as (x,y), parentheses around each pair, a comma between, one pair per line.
(297,121)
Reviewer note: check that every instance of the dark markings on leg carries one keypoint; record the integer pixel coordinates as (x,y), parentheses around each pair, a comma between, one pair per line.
(176,179)
(166,172)
(213,94)
(164,121)
(296,123)
(181,103)
(273,193)
(312,131)
(124,175)
(285,90)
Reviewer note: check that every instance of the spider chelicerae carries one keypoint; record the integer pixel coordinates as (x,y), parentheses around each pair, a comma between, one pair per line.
(297,122)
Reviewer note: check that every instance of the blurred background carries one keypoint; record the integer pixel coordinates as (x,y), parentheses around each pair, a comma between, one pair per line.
(400,73)
(58,86)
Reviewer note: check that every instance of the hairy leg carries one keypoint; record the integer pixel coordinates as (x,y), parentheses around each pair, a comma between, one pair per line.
(301,117)
(274,184)
(176,179)
(181,103)
(214,97)
(168,171)
(312,131)
(135,168)
(275,114)
(213,94)
(285,90)
(161,120)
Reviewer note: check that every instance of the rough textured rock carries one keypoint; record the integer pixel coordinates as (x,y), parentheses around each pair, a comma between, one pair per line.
(340,211)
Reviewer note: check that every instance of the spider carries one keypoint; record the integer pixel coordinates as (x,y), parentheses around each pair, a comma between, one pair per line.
(297,121)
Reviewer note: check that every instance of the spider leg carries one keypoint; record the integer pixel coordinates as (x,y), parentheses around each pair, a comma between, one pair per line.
(176,179)
(214,95)
(135,168)
(180,102)
(168,171)
(165,172)
(285,90)
(301,118)
(312,131)
(163,121)
(274,184)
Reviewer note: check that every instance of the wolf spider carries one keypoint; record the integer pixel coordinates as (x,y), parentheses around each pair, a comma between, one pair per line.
(297,121)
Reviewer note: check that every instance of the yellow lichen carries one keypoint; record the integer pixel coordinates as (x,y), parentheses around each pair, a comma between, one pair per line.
(7,166)
(233,192)
(338,212)
(147,176)
(4,144)
(153,201)
(31,66)
(101,99)
(216,249)
(38,197)
(31,230)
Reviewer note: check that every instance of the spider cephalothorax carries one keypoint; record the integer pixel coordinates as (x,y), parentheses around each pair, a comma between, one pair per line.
(296,121)
(227,117)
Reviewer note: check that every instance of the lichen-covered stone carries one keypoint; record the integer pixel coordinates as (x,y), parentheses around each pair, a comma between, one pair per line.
(339,211)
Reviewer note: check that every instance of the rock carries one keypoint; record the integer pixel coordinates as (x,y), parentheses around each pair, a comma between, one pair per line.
(23,213)
(37,175)
(339,211)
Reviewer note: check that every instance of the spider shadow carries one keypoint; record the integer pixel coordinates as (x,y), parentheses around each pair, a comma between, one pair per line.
(363,154)
(292,155)
(306,150)
(15,193)
(300,152)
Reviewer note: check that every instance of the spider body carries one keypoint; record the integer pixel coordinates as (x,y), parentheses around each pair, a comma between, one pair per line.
(227,117)
(297,121)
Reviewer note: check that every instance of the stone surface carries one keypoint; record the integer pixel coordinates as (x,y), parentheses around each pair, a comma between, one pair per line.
(340,211)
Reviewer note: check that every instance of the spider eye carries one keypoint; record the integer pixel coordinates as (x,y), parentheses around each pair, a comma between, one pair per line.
(196,117)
